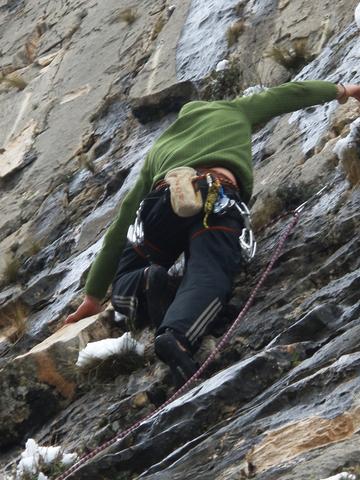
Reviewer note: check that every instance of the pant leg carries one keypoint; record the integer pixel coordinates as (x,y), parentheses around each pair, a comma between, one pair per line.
(214,259)
(127,289)
(165,237)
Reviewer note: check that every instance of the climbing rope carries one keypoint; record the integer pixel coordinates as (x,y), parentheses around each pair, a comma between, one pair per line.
(223,341)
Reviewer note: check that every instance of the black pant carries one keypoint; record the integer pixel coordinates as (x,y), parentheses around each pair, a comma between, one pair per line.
(212,258)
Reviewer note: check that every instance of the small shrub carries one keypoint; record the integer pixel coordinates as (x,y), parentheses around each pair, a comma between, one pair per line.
(14,81)
(109,368)
(34,248)
(239,8)
(11,270)
(157,28)
(295,359)
(292,58)
(234,31)
(13,318)
(226,84)
(129,15)
(355,470)
(86,161)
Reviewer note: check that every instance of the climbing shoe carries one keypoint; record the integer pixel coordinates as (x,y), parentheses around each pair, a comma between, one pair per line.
(160,291)
(171,352)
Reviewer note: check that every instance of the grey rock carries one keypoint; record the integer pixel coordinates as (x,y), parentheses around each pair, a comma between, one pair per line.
(78,87)
(51,219)
(41,382)
(204,405)
(40,290)
(156,105)
(316,324)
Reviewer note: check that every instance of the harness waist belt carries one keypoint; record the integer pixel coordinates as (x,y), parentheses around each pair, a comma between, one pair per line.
(202,172)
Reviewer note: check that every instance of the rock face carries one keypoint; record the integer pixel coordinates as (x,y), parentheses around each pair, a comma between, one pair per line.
(37,384)
(281,401)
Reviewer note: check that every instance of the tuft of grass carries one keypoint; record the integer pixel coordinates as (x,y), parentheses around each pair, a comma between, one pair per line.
(109,368)
(226,84)
(86,162)
(14,81)
(11,270)
(234,31)
(34,248)
(159,25)
(13,317)
(355,470)
(239,8)
(129,15)
(292,58)
(295,359)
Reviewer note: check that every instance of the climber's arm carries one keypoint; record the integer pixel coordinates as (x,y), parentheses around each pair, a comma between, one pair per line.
(293,96)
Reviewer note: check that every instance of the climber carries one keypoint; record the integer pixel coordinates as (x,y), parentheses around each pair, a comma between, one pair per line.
(212,140)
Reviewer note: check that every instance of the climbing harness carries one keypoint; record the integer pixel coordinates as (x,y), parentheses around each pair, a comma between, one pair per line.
(223,341)
(216,202)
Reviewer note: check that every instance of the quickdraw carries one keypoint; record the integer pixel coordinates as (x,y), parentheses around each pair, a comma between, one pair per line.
(135,233)
(247,238)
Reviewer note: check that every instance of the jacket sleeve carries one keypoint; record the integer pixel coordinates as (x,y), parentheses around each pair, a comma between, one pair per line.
(105,265)
(285,98)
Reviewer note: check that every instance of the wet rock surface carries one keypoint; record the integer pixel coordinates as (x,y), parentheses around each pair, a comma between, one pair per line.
(282,399)
(43,378)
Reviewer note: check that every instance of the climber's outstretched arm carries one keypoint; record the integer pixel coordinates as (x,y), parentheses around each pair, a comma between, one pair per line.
(293,96)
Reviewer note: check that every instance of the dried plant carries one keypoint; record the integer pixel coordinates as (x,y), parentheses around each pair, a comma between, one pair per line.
(294,57)
(129,15)
(11,270)
(34,248)
(13,320)
(14,80)
(49,470)
(109,368)
(86,161)
(159,25)
(226,84)
(32,44)
(234,31)
(239,8)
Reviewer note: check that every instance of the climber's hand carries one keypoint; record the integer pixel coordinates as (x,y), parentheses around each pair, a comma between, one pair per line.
(354,91)
(348,90)
(90,306)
